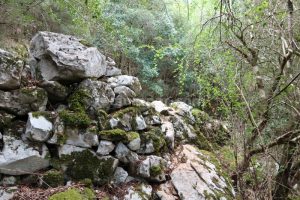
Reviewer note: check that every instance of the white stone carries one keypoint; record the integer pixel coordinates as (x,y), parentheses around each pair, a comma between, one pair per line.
(125,80)
(120,176)
(105,147)
(140,123)
(135,144)
(38,128)
(68,149)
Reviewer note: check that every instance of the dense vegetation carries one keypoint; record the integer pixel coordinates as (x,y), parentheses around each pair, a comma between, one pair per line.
(236,60)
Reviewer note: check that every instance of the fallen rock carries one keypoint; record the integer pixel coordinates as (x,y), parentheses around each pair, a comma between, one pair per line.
(10,71)
(105,147)
(198,177)
(124,80)
(64,58)
(18,158)
(23,101)
(38,128)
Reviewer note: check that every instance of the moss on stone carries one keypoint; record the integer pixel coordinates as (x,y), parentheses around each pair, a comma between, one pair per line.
(48,115)
(157,138)
(87,182)
(61,139)
(201,142)
(53,178)
(200,116)
(155,170)
(70,194)
(129,110)
(77,100)
(75,119)
(118,135)
(85,164)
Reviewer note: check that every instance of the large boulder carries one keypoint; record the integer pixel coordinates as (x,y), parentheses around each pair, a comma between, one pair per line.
(198,176)
(10,71)
(64,57)
(23,101)
(18,158)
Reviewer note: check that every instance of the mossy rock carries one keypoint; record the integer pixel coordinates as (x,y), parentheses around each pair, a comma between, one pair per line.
(74,194)
(102,118)
(155,170)
(133,111)
(75,119)
(118,135)
(201,142)
(48,115)
(157,138)
(77,101)
(200,116)
(87,165)
(53,178)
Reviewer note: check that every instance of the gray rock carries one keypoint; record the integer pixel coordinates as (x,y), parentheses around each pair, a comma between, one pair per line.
(129,93)
(125,155)
(64,58)
(113,122)
(38,128)
(80,138)
(159,106)
(135,144)
(141,103)
(8,181)
(105,147)
(124,80)
(120,176)
(153,120)
(55,90)
(7,193)
(18,158)
(23,101)
(152,168)
(122,100)
(166,191)
(198,177)
(112,71)
(100,95)
(140,123)
(182,129)
(68,150)
(10,71)
(183,109)
(168,130)
(140,192)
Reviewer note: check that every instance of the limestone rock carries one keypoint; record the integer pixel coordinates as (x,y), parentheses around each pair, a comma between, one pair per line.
(7,193)
(99,95)
(198,177)
(124,80)
(152,168)
(68,150)
(23,101)
(159,106)
(55,90)
(129,93)
(105,147)
(18,158)
(64,58)
(140,123)
(140,192)
(10,71)
(135,144)
(120,176)
(166,191)
(87,164)
(122,100)
(112,71)
(168,130)
(125,155)
(80,138)
(38,128)
(183,109)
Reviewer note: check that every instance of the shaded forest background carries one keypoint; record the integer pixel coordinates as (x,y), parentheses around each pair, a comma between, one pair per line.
(236,60)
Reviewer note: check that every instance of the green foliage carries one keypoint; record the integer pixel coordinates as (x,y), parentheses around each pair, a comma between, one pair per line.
(74,194)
